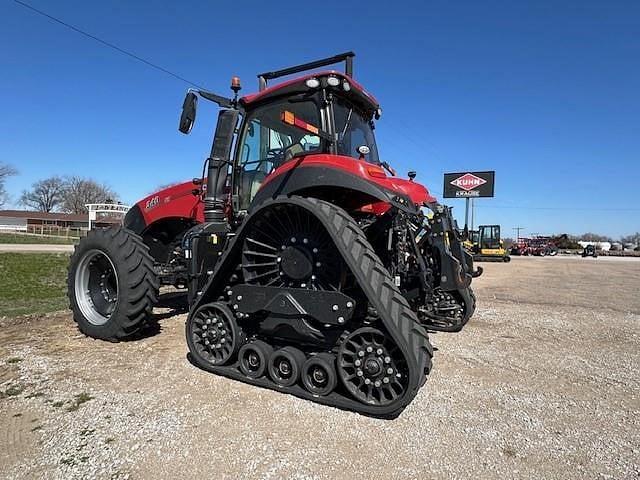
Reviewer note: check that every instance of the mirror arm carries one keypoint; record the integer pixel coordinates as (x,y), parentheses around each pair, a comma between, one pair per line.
(220,100)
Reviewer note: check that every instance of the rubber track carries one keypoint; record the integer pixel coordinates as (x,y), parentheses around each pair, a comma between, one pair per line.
(377,284)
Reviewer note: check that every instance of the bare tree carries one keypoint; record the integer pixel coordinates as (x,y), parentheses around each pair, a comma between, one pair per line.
(594,237)
(5,172)
(633,239)
(80,191)
(45,195)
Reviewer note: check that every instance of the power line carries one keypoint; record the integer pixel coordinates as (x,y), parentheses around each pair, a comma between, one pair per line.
(107,44)
(588,209)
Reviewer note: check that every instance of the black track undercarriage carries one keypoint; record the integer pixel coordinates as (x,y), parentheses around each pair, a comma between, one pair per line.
(303,300)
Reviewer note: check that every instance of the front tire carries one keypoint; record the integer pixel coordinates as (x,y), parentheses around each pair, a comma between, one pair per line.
(112,286)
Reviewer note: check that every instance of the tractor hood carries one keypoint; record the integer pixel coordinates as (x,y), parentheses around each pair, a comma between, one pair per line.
(344,172)
(419,194)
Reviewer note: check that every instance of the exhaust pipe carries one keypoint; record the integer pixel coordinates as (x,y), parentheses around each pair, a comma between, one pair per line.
(219,161)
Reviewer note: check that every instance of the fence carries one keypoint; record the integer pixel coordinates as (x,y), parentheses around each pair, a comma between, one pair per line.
(58,231)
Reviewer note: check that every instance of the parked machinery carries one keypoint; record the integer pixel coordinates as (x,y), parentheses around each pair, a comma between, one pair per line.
(310,267)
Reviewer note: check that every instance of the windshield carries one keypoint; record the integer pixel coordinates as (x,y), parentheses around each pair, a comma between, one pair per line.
(354,130)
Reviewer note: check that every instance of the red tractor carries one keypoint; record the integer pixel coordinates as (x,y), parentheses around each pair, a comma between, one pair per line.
(310,267)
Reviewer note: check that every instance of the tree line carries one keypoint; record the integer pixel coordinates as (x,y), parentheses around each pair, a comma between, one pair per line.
(67,194)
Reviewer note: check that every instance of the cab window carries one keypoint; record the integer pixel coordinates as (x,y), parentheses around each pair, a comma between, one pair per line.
(267,142)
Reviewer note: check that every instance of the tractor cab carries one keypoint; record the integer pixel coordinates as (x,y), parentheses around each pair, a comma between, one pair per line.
(323,118)
(316,114)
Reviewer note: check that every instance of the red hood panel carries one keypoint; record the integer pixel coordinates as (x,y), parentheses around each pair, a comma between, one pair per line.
(176,201)
(416,192)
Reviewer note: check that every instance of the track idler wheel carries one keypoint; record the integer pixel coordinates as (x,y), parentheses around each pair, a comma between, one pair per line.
(213,335)
(285,366)
(254,358)
(372,368)
(319,374)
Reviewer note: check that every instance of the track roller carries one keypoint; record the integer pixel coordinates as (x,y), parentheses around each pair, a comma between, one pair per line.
(254,358)
(319,374)
(285,366)
(213,336)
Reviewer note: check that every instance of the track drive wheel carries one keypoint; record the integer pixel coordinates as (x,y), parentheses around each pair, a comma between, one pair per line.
(213,335)
(254,358)
(285,366)
(319,374)
(372,368)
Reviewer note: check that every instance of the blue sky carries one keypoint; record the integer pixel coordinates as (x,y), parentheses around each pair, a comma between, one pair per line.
(545,93)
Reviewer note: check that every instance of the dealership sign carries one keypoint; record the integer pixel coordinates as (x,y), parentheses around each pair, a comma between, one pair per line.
(469,184)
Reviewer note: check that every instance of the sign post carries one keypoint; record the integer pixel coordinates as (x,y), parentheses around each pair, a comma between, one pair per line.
(469,185)
(113,209)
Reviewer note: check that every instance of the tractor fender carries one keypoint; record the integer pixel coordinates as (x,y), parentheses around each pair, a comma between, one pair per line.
(332,184)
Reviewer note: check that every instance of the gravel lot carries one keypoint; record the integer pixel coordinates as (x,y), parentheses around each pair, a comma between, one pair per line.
(543,383)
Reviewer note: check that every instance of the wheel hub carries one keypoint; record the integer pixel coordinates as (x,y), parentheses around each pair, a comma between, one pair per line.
(319,375)
(284,367)
(373,366)
(253,359)
(296,263)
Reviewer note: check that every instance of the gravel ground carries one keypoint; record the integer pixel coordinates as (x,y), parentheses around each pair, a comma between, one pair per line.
(543,383)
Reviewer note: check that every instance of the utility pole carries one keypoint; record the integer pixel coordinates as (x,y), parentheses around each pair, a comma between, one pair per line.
(473,211)
(517,229)
(466,214)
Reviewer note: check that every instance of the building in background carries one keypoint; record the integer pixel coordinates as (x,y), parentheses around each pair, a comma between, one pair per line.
(51,223)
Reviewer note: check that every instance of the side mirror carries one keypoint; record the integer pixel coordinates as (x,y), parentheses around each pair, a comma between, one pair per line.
(188,116)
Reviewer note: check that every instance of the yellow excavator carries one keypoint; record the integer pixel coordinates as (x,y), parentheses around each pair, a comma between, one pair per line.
(486,245)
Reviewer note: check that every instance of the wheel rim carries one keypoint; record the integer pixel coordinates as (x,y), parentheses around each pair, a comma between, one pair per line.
(214,334)
(372,368)
(252,360)
(288,247)
(96,287)
(319,377)
(284,369)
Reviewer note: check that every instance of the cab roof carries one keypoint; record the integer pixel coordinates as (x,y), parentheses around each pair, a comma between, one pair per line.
(355,93)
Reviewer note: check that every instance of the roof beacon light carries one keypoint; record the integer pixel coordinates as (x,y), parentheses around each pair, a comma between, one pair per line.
(312,82)
(333,81)
(235,84)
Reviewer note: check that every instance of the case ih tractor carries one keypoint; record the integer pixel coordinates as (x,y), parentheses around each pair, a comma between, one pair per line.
(310,267)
